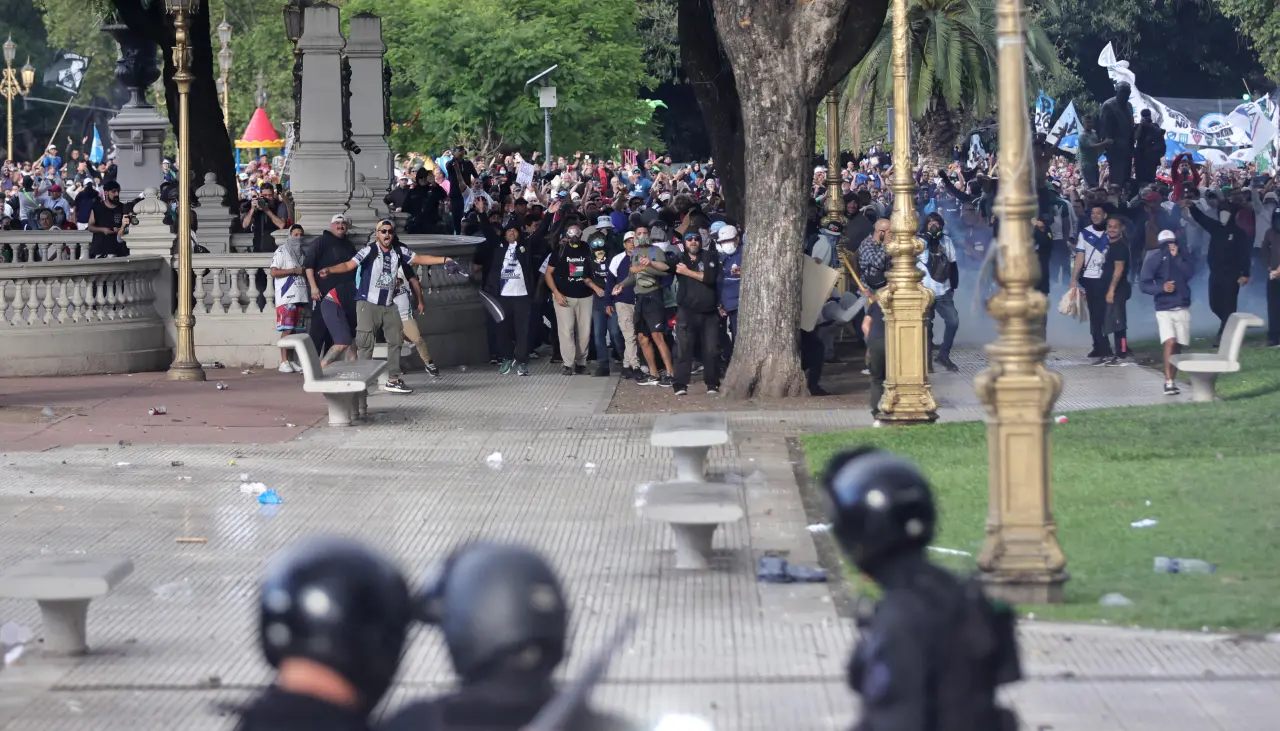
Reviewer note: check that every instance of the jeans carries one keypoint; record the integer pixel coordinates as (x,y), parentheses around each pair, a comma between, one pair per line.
(697,328)
(1273,312)
(513,331)
(731,334)
(945,307)
(1095,295)
(624,318)
(573,323)
(369,317)
(811,353)
(1224,291)
(876,364)
(600,329)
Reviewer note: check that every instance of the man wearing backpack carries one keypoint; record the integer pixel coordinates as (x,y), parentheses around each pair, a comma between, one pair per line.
(936,649)
(941,276)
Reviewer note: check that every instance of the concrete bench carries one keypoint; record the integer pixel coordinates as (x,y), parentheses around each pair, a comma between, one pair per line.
(693,509)
(690,436)
(344,385)
(63,586)
(1204,368)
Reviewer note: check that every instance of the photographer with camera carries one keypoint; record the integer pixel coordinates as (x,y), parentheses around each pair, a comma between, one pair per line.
(266,215)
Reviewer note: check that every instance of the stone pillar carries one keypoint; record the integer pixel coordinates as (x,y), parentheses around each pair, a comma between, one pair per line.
(152,237)
(321,171)
(362,210)
(370,121)
(214,219)
(137,131)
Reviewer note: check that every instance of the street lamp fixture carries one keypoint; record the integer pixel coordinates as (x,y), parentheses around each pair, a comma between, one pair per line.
(224,63)
(11,87)
(224,32)
(293,19)
(185,366)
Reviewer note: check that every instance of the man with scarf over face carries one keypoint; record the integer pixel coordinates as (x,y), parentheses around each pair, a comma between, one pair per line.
(1230,250)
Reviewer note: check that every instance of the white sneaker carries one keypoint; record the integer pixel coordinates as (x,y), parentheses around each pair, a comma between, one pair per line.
(286,367)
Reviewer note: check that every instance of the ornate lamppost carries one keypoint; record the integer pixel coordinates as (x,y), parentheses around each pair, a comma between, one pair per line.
(294,25)
(224,63)
(907,396)
(185,367)
(10,86)
(835,202)
(1021,559)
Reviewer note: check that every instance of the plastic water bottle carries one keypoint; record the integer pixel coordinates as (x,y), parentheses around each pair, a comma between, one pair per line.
(1165,565)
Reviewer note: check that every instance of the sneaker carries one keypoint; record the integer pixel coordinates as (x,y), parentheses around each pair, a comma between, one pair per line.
(579,370)
(876,424)
(665,381)
(626,374)
(433,369)
(949,365)
(697,369)
(533,355)
(680,390)
(1104,360)
(396,385)
(1115,361)
(567,370)
(1095,354)
(647,381)
(556,359)
(600,373)
(286,367)
(866,371)
(713,390)
(522,369)
(818,391)
(1171,388)
(506,366)
(493,361)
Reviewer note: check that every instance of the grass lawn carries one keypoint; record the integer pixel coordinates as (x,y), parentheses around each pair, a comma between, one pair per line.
(1208,473)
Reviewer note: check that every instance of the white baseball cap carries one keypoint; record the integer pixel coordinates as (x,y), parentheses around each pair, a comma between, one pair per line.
(339,217)
(728,233)
(1166,235)
(628,236)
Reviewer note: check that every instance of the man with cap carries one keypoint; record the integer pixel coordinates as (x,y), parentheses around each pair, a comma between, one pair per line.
(1166,276)
(51,159)
(106,219)
(730,251)
(505,622)
(396,197)
(622,306)
(697,314)
(333,618)
(85,199)
(934,651)
(506,263)
(649,265)
(422,203)
(462,173)
(337,297)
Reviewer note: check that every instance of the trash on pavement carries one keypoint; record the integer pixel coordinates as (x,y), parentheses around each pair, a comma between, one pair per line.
(1115,600)
(1059,419)
(214,364)
(494,461)
(191,540)
(589,468)
(221,386)
(949,551)
(253,488)
(1165,565)
(819,527)
(122,464)
(176,463)
(48,412)
(773,569)
(270,498)
(174,591)
(158,410)
(1144,523)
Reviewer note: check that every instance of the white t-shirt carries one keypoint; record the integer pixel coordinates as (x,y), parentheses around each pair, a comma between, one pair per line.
(513,273)
(922,263)
(290,290)
(404,300)
(1094,256)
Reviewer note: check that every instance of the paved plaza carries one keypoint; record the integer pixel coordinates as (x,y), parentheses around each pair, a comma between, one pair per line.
(176,643)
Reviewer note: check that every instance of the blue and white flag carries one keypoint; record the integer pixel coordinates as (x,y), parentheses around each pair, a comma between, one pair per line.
(1044,112)
(96,154)
(1066,131)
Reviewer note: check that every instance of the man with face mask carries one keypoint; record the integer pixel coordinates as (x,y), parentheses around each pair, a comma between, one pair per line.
(622,304)
(601,321)
(291,290)
(730,281)
(569,279)
(648,267)
(105,221)
(941,276)
(507,266)
(1091,255)
(1229,259)
(697,315)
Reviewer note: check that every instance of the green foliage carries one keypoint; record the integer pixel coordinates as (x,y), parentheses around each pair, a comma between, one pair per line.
(460,76)
(656,23)
(1260,22)
(73,25)
(259,48)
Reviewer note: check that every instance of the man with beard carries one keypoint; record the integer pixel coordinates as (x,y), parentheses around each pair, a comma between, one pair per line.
(697,316)
(1117,126)
(872,260)
(105,221)
(331,324)
(461,175)
(422,203)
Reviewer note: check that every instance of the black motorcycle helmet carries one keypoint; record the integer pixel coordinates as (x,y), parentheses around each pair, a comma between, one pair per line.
(501,610)
(336,602)
(881,506)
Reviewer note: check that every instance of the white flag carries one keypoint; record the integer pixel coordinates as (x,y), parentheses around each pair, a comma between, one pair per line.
(1065,132)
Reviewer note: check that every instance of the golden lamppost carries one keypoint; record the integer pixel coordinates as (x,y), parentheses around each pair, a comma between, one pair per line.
(224,63)
(835,202)
(904,300)
(10,87)
(185,367)
(1021,560)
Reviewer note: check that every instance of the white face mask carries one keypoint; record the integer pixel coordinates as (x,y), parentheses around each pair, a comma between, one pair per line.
(1224,217)
(727,247)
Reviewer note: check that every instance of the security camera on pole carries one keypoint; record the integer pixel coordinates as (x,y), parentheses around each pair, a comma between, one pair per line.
(546,100)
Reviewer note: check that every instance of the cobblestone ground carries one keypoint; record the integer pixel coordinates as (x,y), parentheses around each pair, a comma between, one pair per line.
(175,643)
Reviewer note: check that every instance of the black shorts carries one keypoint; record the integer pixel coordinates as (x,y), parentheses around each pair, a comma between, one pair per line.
(335,320)
(651,316)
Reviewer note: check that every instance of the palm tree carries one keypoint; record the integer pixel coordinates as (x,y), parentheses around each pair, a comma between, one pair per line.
(951,73)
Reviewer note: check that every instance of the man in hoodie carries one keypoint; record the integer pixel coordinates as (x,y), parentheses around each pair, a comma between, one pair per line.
(648,267)
(1166,276)
(730,281)
(1230,253)
(697,314)
(507,266)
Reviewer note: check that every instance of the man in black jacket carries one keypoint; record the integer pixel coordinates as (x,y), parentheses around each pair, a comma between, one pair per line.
(507,265)
(697,314)
(423,204)
(330,249)
(1230,252)
(461,174)
(1150,149)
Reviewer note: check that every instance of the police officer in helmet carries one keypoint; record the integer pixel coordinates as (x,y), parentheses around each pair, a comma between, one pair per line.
(333,622)
(935,649)
(504,620)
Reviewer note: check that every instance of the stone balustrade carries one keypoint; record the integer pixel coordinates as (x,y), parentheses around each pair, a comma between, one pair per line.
(81,317)
(18,247)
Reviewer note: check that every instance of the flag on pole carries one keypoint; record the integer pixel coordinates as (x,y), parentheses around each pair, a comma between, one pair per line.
(67,71)
(1066,131)
(96,154)
(1044,112)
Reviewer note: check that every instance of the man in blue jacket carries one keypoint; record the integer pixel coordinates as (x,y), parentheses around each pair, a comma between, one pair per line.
(1166,276)
(730,281)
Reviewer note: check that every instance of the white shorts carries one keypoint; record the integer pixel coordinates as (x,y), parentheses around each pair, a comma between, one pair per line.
(1175,325)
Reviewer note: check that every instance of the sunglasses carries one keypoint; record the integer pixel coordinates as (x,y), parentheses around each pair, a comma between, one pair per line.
(384,230)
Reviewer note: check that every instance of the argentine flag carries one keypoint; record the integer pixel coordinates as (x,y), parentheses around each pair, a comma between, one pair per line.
(96,154)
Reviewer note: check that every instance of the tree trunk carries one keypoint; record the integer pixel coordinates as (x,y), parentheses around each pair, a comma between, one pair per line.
(784,58)
(711,77)
(937,135)
(211,149)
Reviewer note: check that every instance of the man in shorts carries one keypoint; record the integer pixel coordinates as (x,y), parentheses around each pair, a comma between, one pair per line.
(291,290)
(648,267)
(1166,276)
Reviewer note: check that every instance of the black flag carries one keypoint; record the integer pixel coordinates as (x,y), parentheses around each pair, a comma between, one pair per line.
(67,71)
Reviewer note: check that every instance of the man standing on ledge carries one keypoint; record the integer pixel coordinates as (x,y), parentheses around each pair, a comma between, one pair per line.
(1117,126)
(376,286)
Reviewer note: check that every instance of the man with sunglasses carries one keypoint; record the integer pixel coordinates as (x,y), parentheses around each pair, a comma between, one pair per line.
(697,314)
(377,280)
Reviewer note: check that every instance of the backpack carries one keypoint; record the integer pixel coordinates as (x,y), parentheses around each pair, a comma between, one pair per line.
(937,264)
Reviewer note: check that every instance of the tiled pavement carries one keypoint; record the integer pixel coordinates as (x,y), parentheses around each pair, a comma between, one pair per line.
(176,640)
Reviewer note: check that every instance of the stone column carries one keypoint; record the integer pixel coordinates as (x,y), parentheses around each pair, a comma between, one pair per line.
(151,236)
(137,131)
(320,171)
(369,99)
(214,220)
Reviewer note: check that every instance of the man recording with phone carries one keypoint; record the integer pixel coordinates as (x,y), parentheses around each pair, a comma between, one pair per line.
(267,214)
